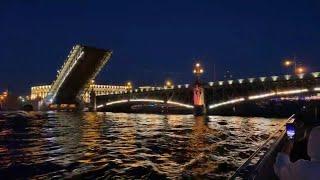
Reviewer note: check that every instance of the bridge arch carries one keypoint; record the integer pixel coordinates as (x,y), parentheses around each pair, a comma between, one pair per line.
(125,101)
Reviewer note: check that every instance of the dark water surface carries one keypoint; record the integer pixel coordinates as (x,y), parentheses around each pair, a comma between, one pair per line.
(118,145)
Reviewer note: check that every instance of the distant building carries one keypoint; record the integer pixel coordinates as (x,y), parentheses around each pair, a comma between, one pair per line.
(40,92)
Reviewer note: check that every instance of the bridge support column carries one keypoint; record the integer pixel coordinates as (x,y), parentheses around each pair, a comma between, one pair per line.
(198,92)
(198,100)
(93,101)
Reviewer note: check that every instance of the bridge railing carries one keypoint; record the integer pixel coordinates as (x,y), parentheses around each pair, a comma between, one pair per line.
(266,79)
(66,68)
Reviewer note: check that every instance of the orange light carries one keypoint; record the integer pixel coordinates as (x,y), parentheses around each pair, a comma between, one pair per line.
(300,70)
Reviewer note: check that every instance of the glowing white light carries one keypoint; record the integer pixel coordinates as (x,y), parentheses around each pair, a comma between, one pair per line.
(295,91)
(261,96)
(180,104)
(274,78)
(287,77)
(211,83)
(147,100)
(116,102)
(186,85)
(316,74)
(230,82)
(100,106)
(251,80)
(317,89)
(226,103)
(220,83)
(179,86)
(301,76)
(240,81)
(136,90)
(262,79)
(80,55)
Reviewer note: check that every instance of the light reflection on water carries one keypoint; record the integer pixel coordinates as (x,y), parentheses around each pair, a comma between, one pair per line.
(120,145)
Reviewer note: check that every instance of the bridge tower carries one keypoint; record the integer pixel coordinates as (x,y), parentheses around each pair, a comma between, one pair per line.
(198,92)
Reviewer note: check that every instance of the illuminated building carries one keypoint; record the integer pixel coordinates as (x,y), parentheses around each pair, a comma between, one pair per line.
(40,92)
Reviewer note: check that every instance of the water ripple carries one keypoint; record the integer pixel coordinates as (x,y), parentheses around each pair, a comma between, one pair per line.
(119,145)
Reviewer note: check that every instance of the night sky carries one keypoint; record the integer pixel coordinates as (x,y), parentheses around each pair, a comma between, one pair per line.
(156,40)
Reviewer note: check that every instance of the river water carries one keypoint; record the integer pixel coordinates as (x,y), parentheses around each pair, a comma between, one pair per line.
(127,146)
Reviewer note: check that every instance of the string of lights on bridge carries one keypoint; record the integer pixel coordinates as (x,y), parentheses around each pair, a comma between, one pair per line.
(233,101)
(146,100)
(221,83)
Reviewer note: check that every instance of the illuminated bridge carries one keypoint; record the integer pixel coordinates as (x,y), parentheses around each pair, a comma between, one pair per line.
(82,65)
(276,95)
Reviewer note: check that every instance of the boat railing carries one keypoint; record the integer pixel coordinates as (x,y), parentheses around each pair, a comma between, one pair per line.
(251,166)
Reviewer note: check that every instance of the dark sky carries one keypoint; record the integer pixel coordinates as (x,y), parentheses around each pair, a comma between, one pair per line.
(156,40)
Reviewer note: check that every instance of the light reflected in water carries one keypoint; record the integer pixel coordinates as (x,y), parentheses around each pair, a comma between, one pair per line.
(123,145)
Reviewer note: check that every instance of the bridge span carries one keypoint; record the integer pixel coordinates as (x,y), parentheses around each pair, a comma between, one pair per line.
(230,97)
(81,66)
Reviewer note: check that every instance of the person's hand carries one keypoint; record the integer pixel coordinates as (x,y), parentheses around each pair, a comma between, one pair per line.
(288,145)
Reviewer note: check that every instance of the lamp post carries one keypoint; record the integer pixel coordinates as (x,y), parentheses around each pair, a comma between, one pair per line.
(197,71)
(198,92)
(297,68)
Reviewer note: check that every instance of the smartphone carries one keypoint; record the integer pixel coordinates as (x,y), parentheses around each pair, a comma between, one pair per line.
(290,130)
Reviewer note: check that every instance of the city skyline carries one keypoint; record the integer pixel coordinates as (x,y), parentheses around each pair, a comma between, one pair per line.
(153,42)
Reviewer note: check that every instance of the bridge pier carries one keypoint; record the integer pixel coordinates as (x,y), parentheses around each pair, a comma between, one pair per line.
(93,101)
(198,100)
(198,92)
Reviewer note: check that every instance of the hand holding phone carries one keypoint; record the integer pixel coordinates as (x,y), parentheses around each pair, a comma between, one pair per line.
(290,130)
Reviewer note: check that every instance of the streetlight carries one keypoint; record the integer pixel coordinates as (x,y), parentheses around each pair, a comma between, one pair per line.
(288,63)
(297,68)
(129,85)
(300,70)
(2,97)
(168,84)
(198,70)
